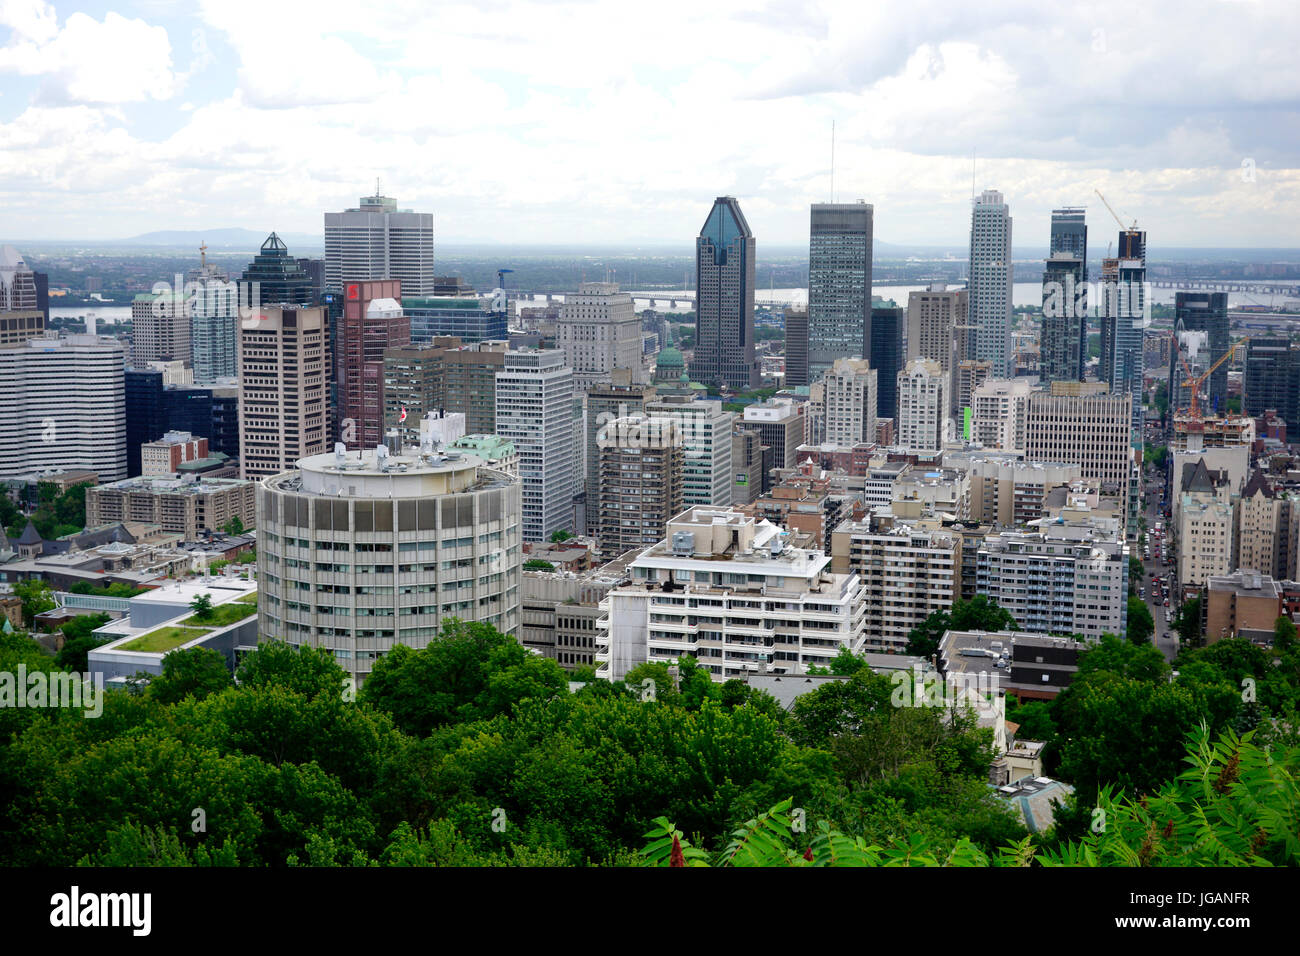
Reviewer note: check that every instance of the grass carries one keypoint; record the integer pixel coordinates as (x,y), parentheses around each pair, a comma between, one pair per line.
(223,614)
(164,639)
(247,599)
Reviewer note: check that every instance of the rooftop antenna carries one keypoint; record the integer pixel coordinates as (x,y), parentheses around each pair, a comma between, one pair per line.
(203,254)
(972,174)
(832,162)
(377,193)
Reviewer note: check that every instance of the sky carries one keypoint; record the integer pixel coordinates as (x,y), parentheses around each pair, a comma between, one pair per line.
(619,122)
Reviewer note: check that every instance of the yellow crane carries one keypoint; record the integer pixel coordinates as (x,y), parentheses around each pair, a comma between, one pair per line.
(1195,382)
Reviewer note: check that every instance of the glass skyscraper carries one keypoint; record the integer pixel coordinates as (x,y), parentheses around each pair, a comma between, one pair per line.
(724,318)
(1064,341)
(839,285)
(990,282)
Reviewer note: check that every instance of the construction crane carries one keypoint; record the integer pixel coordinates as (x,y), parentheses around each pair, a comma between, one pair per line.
(1123,228)
(1195,382)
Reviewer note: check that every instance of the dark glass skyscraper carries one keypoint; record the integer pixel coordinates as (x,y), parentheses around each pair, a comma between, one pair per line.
(1272,379)
(1208,312)
(888,323)
(839,284)
(724,300)
(1123,311)
(1064,340)
(282,281)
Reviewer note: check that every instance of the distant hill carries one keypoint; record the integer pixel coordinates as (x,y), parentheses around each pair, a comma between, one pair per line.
(236,238)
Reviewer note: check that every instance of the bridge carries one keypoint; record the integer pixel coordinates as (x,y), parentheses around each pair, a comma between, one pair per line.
(1212,285)
(683,299)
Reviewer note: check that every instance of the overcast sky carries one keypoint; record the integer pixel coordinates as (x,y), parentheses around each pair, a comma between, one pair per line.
(620,121)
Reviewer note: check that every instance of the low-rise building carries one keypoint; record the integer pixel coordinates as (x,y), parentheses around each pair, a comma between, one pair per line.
(1244,604)
(178,505)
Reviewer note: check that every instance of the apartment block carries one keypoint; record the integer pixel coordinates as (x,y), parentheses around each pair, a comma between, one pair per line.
(177,505)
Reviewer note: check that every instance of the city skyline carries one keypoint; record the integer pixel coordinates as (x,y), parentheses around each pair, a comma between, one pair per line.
(553,135)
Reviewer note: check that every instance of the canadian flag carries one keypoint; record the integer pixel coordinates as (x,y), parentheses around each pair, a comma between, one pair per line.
(403,417)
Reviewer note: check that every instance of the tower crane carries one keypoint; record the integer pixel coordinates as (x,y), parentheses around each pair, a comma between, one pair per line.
(1195,382)
(1111,210)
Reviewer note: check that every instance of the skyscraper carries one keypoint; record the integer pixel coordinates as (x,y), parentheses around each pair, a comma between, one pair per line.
(938,329)
(1064,341)
(1271,379)
(839,284)
(376,240)
(640,467)
(888,327)
(851,404)
(160,328)
(598,331)
(922,406)
(282,379)
(281,281)
(534,409)
(1208,312)
(796,348)
(724,323)
(214,321)
(1123,318)
(372,322)
(990,281)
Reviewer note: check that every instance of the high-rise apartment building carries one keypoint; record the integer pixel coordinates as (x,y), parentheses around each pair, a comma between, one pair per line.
(922,406)
(534,410)
(990,281)
(934,317)
(706,439)
(1124,315)
(970,375)
(280,279)
(850,402)
(1085,424)
(1064,339)
(724,300)
(839,284)
(64,406)
(282,388)
(999,411)
(622,397)
(781,425)
(214,321)
(376,240)
(360,553)
(796,348)
(757,601)
(372,322)
(598,331)
(1208,312)
(640,467)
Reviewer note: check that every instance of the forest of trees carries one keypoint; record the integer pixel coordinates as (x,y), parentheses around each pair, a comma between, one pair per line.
(472,751)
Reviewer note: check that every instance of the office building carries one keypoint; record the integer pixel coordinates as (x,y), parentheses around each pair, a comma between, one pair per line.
(468,319)
(376,240)
(1243,604)
(839,284)
(280,279)
(1208,312)
(598,331)
(446,375)
(64,402)
(640,488)
(1090,426)
(560,612)
(372,322)
(851,403)
(164,457)
(1124,312)
(724,318)
(747,462)
(990,281)
(796,348)
(999,409)
(726,588)
(887,355)
(1064,339)
(1271,379)
(706,437)
(359,553)
(534,410)
(22,314)
(282,388)
(922,406)
(160,328)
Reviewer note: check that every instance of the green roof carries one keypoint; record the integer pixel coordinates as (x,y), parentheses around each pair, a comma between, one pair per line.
(448,303)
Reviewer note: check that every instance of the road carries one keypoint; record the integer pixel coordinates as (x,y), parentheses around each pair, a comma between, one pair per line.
(1168,645)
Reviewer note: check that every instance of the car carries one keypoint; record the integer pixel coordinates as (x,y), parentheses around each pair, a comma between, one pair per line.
(1166,602)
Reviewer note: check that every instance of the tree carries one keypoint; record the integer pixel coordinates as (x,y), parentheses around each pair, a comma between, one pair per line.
(197,672)
(981,613)
(560,535)
(78,641)
(1284,634)
(36,596)
(537,564)
(1188,622)
(1140,624)
(202,607)
(234,527)
(305,670)
(1135,574)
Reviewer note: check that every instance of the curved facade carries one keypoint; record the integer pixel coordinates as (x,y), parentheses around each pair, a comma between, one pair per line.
(357,554)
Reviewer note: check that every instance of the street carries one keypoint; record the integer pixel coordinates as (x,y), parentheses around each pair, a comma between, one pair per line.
(1166,638)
